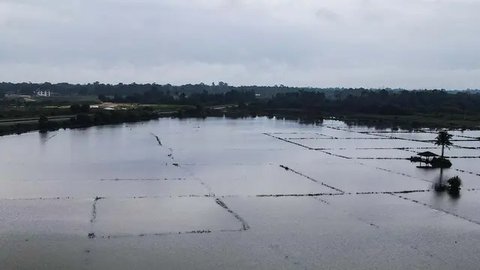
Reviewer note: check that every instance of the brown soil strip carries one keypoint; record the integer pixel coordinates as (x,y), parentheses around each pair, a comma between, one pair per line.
(203,231)
(394,172)
(39,199)
(381,158)
(311,179)
(297,195)
(399,158)
(91,234)
(463,171)
(335,155)
(337,138)
(393,192)
(145,179)
(351,215)
(157,138)
(282,139)
(94,209)
(245,225)
(437,209)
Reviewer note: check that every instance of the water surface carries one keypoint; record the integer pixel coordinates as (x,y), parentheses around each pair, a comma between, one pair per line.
(218,193)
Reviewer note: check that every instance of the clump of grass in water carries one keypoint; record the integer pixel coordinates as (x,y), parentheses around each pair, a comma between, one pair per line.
(453,186)
(454,183)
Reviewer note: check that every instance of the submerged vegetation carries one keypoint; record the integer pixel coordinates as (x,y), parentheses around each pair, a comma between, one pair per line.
(454,183)
(96,104)
(452,186)
(78,119)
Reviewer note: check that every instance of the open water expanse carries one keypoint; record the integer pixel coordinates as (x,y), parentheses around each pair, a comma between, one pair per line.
(218,193)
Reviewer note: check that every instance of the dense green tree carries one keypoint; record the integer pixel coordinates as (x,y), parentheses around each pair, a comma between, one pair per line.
(443,139)
(75,108)
(43,123)
(102,98)
(84,108)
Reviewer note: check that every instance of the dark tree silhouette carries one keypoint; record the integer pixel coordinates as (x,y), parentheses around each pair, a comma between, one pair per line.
(43,123)
(443,139)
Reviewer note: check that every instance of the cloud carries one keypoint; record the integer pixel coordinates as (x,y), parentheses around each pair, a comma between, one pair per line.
(327,14)
(369,43)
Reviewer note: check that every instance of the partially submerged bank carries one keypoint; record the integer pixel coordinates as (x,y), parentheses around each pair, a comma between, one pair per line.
(81,120)
(414,121)
(406,110)
(145,113)
(406,122)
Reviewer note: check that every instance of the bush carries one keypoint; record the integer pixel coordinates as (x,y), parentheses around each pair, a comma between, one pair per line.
(454,183)
(83,119)
(43,124)
(441,163)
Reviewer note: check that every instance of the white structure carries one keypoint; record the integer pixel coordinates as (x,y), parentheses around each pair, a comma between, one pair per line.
(43,93)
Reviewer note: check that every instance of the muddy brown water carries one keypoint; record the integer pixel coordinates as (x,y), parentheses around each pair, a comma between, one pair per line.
(218,193)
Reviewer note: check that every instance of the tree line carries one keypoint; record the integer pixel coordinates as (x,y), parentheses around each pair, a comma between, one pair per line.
(122,89)
(379,102)
(260,98)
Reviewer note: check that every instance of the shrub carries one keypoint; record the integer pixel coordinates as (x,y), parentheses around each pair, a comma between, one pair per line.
(454,183)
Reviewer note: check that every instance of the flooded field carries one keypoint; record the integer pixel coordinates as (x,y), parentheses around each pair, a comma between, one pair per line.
(218,193)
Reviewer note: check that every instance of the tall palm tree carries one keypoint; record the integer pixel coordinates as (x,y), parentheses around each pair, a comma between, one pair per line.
(443,139)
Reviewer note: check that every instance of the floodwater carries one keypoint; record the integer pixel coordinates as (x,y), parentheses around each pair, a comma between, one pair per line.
(252,193)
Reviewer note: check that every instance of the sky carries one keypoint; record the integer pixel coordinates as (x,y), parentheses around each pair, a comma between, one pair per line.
(413,44)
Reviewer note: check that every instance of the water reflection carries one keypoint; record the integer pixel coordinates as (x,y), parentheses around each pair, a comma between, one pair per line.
(43,137)
(441,186)
(46,136)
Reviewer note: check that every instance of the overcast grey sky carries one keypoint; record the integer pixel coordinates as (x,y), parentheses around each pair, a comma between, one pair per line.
(350,43)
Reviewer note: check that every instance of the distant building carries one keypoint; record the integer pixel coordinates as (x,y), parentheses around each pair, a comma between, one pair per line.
(42,93)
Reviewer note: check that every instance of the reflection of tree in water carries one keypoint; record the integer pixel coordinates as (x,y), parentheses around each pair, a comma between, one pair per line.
(439,186)
(43,137)
(451,186)
(46,136)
